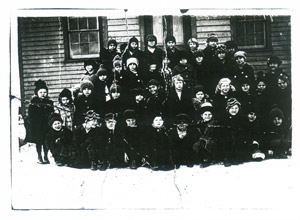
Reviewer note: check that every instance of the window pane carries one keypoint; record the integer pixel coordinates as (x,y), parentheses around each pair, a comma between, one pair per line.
(84,37)
(73,24)
(94,48)
(240,28)
(259,27)
(74,38)
(250,28)
(92,23)
(249,40)
(260,40)
(241,40)
(84,49)
(94,36)
(75,50)
(82,23)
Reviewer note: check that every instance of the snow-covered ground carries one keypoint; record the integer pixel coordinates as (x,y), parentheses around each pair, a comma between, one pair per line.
(264,188)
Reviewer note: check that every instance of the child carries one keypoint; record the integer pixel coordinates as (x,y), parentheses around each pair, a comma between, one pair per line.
(182,137)
(101,87)
(133,51)
(179,100)
(137,102)
(185,69)
(117,72)
(192,51)
(245,95)
(224,91)
(116,104)
(222,66)
(86,141)
(38,112)
(66,108)
(156,144)
(156,99)
(107,55)
(241,70)
(173,53)
(231,48)
(199,98)
(59,140)
(85,102)
(277,137)
(153,54)
(274,64)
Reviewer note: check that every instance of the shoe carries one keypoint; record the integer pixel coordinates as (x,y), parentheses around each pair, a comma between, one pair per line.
(40,160)
(258,156)
(93,165)
(204,164)
(227,164)
(133,165)
(46,161)
(59,164)
(102,166)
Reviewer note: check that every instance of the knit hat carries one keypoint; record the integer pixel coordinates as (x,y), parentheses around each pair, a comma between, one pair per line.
(232,102)
(182,118)
(90,115)
(112,41)
(276,112)
(231,45)
(86,84)
(110,116)
(221,49)
(102,71)
(240,54)
(40,84)
(212,37)
(65,93)
(115,88)
(133,39)
(54,117)
(117,61)
(199,88)
(170,38)
(153,82)
(132,60)
(193,40)
(274,59)
(129,113)
(206,106)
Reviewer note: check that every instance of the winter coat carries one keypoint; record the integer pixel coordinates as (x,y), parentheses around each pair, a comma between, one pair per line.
(106,58)
(38,113)
(131,81)
(174,56)
(220,103)
(187,72)
(155,103)
(66,112)
(238,75)
(153,58)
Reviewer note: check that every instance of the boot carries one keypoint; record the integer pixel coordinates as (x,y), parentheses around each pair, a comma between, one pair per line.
(93,165)
(40,160)
(46,161)
(133,165)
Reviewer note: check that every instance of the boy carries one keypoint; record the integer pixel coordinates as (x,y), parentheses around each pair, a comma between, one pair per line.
(116,104)
(156,99)
(192,51)
(133,51)
(274,64)
(173,53)
(182,137)
(107,55)
(137,102)
(38,112)
(59,140)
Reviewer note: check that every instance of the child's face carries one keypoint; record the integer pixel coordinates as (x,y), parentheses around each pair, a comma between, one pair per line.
(170,44)
(118,69)
(199,60)
(192,45)
(111,124)
(132,67)
(151,43)
(245,87)
(282,84)
(131,122)
(183,61)
(277,121)
(112,47)
(212,43)
(42,93)
(89,68)
(178,84)
(133,45)
(240,60)
(102,77)
(221,56)
(139,98)
(182,127)
(234,110)
(115,95)
(87,92)
(57,125)
(153,89)
(273,66)
(200,95)
(92,123)
(261,86)
(251,116)
(225,88)
(206,116)
(158,122)
(65,100)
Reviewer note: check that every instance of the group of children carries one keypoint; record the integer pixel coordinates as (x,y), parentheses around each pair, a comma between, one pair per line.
(165,108)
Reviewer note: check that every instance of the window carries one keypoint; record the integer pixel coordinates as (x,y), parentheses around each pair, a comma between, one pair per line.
(83,37)
(251,32)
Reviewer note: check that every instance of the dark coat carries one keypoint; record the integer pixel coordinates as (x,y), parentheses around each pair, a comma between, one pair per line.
(238,75)
(220,103)
(174,57)
(38,113)
(106,58)
(153,58)
(187,72)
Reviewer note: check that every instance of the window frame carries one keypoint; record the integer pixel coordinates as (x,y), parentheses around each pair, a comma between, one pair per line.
(267,22)
(101,33)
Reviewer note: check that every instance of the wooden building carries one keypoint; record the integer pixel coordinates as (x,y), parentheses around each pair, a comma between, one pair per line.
(54,48)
